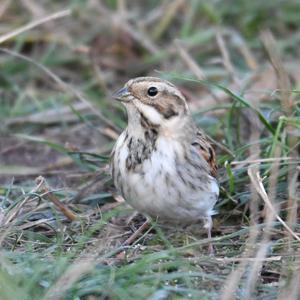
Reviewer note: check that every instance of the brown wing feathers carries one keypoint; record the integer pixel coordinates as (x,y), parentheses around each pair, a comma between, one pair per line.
(206,151)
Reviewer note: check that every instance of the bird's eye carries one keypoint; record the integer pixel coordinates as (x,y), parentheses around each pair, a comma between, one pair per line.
(152,91)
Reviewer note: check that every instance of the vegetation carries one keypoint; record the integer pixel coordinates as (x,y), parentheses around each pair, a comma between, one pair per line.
(63,228)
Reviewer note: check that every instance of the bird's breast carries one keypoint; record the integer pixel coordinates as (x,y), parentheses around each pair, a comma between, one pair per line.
(160,182)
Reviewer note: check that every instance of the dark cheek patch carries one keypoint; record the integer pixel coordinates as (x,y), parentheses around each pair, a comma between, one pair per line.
(167,110)
(167,105)
(169,113)
(170,106)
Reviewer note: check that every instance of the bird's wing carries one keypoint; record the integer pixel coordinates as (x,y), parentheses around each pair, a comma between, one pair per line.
(207,151)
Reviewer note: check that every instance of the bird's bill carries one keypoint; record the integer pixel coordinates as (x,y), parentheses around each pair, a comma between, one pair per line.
(121,95)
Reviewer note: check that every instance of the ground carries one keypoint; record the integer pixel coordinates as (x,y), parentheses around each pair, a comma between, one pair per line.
(64,228)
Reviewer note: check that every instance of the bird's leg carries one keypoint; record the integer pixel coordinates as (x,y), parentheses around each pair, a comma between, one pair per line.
(131,217)
(137,233)
(208,226)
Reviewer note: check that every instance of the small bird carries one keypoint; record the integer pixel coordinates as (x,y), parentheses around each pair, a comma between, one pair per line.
(162,164)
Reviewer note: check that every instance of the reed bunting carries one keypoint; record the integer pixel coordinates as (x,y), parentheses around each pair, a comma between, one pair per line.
(162,164)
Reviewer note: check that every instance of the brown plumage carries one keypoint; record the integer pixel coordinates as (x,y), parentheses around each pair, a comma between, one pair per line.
(207,151)
(162,164)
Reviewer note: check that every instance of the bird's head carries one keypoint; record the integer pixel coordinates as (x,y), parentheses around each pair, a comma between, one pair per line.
(153,101)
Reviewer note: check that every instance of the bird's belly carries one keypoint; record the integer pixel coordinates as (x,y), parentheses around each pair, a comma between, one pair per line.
(171,203)
(156,189)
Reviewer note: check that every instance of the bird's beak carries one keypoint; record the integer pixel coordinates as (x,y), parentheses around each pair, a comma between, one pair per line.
(121,94)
